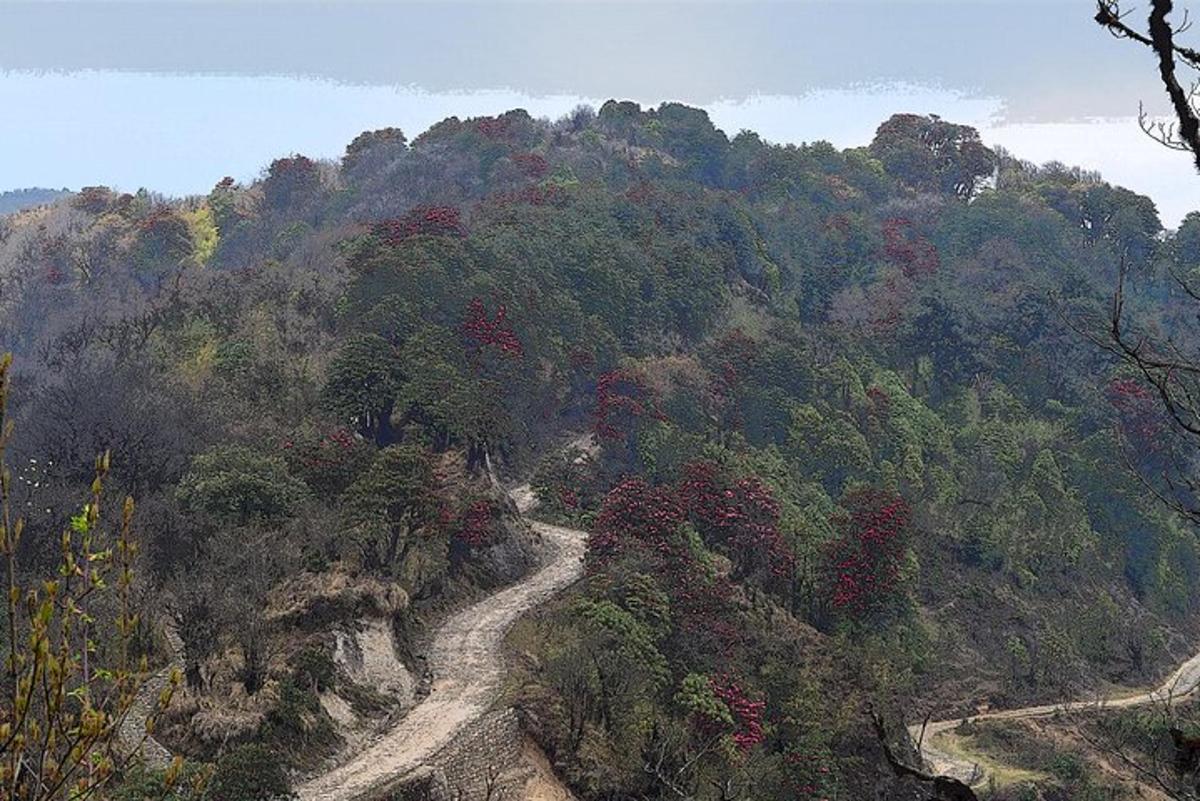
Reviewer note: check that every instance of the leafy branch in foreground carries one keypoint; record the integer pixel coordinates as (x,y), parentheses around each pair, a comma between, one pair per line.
(67,685)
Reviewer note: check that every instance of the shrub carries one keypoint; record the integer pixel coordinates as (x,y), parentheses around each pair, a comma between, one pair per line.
(233,482)
(249,773)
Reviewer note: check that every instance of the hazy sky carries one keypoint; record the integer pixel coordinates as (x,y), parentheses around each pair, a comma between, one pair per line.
(174,95)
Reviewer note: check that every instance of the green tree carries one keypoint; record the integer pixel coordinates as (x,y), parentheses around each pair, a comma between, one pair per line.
(249,773)
(239,484)
(932,155)
(364,379)
(394,498)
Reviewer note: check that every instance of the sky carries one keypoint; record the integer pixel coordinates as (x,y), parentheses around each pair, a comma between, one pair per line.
(173,95)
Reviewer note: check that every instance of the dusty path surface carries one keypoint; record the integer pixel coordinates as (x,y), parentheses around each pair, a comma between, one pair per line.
(467,668)
(132,731)
(952,762)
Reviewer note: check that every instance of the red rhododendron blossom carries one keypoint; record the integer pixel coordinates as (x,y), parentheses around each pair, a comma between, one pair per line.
(492,127)
(635,513)
(533,165)
(741,516)
(331,449)
(427,220)
(476,526)
(483,331)
(869,552)
(747,714)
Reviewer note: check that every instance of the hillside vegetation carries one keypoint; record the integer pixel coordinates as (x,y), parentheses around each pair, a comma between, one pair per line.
(855,444)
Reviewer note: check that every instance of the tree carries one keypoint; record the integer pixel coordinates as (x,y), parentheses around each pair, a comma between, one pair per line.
(932,155)
(739,516)
(374,149)
(290,181)
(394,498)
(442,394)
(238,484)
(149,426)
(62,704)
(249,773)
(1184,133)
(866,559)
(164,242)
(363,381)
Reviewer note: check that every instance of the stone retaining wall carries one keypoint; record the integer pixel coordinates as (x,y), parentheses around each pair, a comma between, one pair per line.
(482,763)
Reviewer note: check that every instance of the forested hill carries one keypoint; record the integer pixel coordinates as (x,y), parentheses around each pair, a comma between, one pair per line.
(856,443)
(20,199)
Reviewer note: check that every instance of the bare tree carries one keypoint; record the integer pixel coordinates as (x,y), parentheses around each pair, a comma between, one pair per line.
(1160,36)
(1169,763)
(944,788)
(1162,450)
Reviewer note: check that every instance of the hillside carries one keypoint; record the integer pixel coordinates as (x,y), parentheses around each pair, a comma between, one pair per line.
(16,200)
(855,445)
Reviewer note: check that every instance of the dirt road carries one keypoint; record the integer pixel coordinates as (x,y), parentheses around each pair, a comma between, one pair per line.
(467,668)
(951,762)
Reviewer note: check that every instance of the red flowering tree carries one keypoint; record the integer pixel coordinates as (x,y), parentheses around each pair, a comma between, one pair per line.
(866,558)
(644,526)
(811,773)
(533,165)
(329,460)
(493,127)
(476,526)
(747,713)
(421,220)
(636,515)
(738,516)
(913,254)
(722,709)
(483,332)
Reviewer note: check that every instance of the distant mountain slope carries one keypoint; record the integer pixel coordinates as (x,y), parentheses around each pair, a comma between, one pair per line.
(19,199)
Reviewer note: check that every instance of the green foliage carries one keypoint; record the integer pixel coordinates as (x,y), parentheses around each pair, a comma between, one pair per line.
(249,773)
(141,783)
(234,483)
(933,155)
(696,697)
(811,318)
(393,498)
(363,381)
(314,669)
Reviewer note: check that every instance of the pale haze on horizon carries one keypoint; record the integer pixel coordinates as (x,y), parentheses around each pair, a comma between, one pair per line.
(173,96)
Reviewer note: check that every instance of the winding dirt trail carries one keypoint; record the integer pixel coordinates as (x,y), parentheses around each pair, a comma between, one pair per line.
(466,662)
(467,667)
(132,731)
(960,765)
